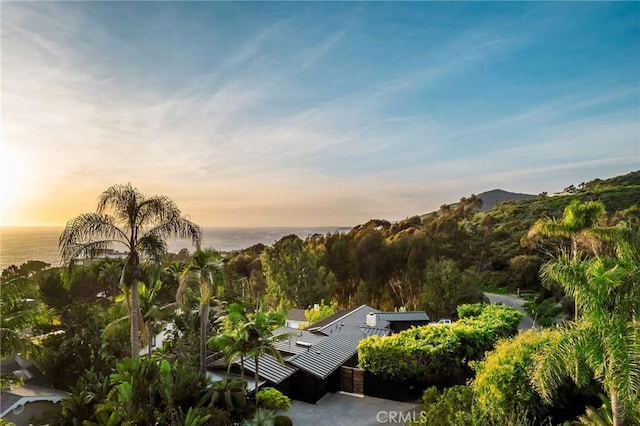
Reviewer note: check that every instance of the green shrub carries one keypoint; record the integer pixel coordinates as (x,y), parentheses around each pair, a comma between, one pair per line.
(282,421)
(420,351)
(503,385)
(272,399)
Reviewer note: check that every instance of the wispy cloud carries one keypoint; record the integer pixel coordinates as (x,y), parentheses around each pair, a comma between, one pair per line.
(259,138)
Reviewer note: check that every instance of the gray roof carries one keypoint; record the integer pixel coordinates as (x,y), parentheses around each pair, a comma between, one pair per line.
(289,345)
(353,317)
(328,355)
(375,331)
(269,368)
(296,314)
(20,395)
(403,316)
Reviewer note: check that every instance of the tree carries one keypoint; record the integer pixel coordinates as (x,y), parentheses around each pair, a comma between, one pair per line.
(576,223)
(19,311)
(208,274)
(261,339)
(233,340)
(605,341)
(141,225)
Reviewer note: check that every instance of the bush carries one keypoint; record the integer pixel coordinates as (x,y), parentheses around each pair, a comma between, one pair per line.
(420,351)
(282,421)
(272,399)
(503,384)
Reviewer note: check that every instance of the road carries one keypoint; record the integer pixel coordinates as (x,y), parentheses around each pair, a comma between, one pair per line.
(515,302)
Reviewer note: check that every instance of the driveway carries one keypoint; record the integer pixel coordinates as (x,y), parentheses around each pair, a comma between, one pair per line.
(337,409)
(514,302)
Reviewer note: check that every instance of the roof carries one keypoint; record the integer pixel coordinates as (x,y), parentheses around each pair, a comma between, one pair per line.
(21,395)
(269,368)
(24,369)
(295,335)
(374,331)
(329,354)
(296,314)
(350,317)
(403,316)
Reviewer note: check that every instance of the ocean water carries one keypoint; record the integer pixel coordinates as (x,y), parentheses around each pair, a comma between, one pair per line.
(20,244)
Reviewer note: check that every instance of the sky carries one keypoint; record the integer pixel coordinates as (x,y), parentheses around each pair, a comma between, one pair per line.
(302,114)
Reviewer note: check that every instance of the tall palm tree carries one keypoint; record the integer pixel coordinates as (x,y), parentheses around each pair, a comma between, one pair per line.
(127,219)
(206,270)
(576,224)
(605,341)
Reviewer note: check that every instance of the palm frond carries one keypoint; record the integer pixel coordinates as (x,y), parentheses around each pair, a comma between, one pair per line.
(88,232)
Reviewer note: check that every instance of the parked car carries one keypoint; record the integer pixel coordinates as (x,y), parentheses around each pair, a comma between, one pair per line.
(443,321)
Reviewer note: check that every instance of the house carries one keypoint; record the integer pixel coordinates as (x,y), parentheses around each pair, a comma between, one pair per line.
(397,321)
(31,402)
(295,318)
(313,357)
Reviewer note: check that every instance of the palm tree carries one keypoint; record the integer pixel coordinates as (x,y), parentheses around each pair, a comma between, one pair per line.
(261,340)
(605,341)
(228,394)
(153,315)
(141,225)
(110,274)
(233,340)
(18,311)
(205,269)
(576,224)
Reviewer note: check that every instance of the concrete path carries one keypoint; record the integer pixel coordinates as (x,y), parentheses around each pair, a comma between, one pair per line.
(515,302)
(338,409)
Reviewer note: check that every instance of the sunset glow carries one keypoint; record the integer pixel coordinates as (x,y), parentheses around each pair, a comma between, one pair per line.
(292,114)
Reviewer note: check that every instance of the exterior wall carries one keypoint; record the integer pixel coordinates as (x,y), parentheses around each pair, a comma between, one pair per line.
(34,413)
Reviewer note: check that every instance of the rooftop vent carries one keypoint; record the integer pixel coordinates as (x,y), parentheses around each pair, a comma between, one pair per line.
(303,344)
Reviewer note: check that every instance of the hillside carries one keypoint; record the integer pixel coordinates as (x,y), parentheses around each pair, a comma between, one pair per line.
(493,197)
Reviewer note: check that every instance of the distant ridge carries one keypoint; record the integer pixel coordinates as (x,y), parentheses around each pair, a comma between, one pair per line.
(491,198)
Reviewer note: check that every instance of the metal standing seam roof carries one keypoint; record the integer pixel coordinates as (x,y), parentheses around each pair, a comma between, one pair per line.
(328,355)
(269,368)
(353,317)
(289,345)
(403,316)
(375,331)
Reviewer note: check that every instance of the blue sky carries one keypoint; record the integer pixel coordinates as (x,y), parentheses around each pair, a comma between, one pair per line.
(282,114)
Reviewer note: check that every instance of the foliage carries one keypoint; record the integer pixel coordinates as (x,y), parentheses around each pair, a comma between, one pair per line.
(207,273)
(315,314)
(452,407)
(142,391)
(126,218)
(19,311)
(601,416)
(502,384)
(430,349)
(446,287)
(261,417)
(228,395)
(272,399)
(281,420)
(293,274)
(77,345)
(605,341)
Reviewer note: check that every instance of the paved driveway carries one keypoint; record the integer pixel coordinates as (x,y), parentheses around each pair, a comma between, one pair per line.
(338,409)
(515,302)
